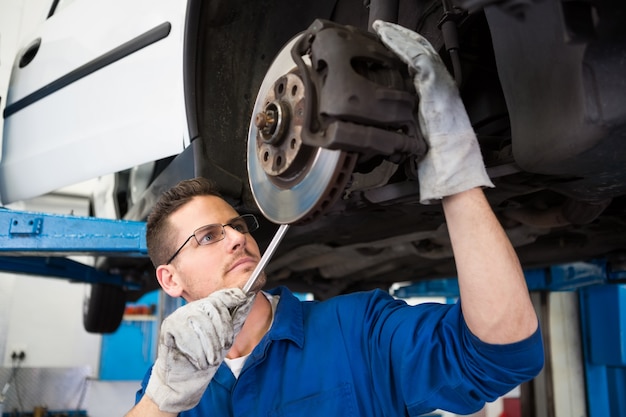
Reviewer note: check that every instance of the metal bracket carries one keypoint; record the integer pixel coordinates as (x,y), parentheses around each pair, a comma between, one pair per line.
(360,97)
(26,225)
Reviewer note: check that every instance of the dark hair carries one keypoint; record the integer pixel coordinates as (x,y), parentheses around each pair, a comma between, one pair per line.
(158,226)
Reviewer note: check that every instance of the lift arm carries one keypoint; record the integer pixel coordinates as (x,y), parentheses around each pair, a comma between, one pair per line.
(38,244)
(31,233)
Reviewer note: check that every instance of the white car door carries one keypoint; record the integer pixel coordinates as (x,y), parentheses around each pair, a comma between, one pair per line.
(97,89)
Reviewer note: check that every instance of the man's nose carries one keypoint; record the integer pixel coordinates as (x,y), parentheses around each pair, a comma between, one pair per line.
(234,237)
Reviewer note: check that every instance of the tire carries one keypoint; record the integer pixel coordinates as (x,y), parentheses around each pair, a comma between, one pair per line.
(104,308)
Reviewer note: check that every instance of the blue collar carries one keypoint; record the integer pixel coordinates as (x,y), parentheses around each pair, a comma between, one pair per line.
(288,320)
(288,325)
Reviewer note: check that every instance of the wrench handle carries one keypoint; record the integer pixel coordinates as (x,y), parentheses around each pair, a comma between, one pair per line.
(282,230)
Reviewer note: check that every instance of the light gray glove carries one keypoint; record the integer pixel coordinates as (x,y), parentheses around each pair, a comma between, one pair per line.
(453,162)
(193,343)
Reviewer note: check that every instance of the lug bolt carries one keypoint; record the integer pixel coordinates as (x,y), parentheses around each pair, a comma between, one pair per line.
(270,122)
(266,121)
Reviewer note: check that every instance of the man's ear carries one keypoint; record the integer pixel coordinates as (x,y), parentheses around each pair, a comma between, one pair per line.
(167,279)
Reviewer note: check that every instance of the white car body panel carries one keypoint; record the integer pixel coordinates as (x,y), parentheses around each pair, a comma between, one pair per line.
(142,104)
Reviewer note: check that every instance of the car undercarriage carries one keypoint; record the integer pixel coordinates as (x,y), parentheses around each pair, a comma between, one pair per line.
(541,84)
(300,116)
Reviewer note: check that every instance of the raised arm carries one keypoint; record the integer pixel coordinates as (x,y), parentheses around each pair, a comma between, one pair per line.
(494,297)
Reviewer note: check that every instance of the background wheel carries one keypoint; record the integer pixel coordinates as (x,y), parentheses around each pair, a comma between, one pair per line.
(103,308)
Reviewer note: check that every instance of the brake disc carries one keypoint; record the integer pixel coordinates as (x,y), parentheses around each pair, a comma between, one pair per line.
(291,182)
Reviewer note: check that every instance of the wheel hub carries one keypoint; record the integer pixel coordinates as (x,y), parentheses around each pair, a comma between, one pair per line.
(290,181)
(279,146)
(333,93)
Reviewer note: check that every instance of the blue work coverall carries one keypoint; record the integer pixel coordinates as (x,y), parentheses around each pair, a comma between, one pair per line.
(367,354)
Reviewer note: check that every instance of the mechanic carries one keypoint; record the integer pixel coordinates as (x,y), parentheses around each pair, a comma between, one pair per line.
(361,354)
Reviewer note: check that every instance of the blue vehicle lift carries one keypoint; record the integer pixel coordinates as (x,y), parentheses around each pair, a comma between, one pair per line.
(602,297)
(38,244)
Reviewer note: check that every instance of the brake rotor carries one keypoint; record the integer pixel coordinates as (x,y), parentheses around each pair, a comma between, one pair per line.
(291,182)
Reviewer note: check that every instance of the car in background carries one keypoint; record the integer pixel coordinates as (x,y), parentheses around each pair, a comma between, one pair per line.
(147,93)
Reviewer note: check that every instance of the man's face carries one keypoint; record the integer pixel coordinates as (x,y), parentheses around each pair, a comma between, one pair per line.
(228,263)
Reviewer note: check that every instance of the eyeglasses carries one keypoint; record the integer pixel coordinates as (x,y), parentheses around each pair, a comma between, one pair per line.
(212,233)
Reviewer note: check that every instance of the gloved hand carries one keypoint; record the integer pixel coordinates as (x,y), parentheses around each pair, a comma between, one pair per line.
(193,343)
(453,162)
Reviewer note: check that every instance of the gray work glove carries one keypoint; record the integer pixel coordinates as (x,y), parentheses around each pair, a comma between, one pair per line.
(193,343)
(453,162)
